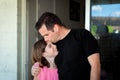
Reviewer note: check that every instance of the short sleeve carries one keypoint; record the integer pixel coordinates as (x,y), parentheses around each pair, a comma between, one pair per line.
(90,44)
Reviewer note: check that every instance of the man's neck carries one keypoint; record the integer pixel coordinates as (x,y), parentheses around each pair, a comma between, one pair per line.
(64,32)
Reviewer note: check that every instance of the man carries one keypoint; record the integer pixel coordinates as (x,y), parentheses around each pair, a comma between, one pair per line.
(78,57)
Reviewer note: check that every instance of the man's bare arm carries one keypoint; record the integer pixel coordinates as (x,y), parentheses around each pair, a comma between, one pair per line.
(94,61)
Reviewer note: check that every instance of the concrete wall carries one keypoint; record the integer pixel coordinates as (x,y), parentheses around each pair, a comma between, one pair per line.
(8,39)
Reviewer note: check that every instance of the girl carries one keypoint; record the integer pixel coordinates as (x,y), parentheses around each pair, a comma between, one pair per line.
(43,55)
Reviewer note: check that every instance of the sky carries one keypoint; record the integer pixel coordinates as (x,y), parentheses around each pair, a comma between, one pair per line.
(112,10)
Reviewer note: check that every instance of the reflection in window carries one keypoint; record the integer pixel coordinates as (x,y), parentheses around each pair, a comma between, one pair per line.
(105,26)
(105,19)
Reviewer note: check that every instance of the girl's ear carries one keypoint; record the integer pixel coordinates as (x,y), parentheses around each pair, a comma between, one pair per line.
(55,27)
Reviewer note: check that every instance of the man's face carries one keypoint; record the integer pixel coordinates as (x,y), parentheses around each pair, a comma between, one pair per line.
(48,35)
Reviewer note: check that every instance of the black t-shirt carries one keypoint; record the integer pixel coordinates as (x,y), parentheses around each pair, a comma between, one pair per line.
(73,50)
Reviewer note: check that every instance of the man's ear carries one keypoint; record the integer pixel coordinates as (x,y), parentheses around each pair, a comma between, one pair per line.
(56,27)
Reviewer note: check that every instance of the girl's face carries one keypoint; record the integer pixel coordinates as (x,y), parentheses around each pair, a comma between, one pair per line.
(50,50)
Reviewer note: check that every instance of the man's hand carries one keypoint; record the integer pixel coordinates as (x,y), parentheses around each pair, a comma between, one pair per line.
(35,70)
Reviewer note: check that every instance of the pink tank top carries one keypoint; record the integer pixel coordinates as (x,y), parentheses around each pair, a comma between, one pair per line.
(47,73)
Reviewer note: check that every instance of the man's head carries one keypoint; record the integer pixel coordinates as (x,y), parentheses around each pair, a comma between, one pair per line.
(48,26)
(49,19)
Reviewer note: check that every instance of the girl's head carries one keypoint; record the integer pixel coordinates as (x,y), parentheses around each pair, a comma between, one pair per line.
(50,51)
(41,50)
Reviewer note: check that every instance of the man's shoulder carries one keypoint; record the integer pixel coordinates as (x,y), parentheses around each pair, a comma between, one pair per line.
(80,31)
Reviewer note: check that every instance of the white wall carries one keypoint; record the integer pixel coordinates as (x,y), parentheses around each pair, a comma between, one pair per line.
(8,39)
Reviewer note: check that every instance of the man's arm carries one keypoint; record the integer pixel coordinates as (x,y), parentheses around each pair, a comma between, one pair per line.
(35,78)
(94,61)
(35,70)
